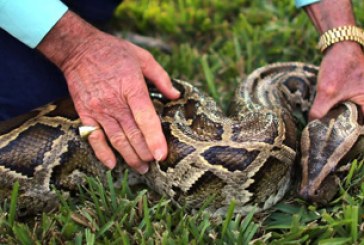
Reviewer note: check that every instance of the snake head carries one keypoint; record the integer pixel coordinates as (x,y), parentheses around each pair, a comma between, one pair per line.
(326,145)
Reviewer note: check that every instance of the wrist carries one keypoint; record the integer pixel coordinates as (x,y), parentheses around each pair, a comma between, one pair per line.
(344,48)
(66,39)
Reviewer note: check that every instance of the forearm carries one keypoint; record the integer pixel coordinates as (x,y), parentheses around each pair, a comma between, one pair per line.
(328,14)
(66,39)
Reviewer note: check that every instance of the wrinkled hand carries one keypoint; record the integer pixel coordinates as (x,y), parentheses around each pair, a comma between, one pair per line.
(341,78)
(105,77)
(106,82)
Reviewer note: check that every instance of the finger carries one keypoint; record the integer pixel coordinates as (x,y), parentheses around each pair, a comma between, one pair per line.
(154,72)
(148,122)
(120,142)
(159,77)
(99,144)
(135,136)
(319,108)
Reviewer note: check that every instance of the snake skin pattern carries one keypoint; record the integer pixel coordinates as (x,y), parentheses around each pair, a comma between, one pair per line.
(248,155)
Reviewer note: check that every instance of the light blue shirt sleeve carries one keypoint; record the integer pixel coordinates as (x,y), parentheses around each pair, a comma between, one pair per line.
(30,20)
(302,3)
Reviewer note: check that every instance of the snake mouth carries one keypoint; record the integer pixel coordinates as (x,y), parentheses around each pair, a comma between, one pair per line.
(322,195)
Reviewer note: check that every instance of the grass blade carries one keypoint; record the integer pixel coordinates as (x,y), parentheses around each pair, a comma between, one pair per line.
(13,203)
(228,218)
(209,77)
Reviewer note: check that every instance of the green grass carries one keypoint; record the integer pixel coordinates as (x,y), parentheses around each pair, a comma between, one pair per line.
(214,44)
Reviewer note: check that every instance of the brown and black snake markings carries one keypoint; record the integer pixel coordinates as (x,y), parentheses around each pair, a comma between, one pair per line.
(247,156)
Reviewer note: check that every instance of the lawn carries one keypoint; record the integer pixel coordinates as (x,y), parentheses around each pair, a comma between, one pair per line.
(213,44)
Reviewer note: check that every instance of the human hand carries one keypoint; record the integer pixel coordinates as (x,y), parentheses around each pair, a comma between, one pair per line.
(105,76)
(107,85)
(341,78)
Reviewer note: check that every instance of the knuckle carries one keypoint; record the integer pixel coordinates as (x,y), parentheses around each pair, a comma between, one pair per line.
(95,136)
(118,141)
(131,159)
(95,102)
(96,105)
(111,100)
(102,155)
(136,138)
(148,56)
(146,116)
(135,135)
(106,104)
(148,59)
(330,91)
(136,96)
(327,89)
(138,92)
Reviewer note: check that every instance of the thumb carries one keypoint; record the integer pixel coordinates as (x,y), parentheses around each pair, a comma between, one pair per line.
(155,73)
(320,108)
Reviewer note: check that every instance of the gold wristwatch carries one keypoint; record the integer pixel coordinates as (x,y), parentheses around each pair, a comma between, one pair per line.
(339,34)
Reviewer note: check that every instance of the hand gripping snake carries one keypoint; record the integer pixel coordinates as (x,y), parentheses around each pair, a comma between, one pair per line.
(247,156)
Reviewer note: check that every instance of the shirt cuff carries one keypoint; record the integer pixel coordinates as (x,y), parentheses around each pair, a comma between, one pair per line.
(302,3)
(30,20)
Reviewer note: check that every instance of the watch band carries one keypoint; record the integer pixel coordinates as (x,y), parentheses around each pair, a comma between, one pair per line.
(339,34)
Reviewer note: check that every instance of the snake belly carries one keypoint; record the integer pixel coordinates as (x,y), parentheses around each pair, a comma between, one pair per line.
(247,156)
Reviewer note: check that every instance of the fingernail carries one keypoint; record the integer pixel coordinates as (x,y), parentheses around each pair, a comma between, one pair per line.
(177,92)
(110,164)
(158,155)
(143,169)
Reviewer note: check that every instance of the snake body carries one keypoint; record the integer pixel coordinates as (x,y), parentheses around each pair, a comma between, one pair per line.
(247,156)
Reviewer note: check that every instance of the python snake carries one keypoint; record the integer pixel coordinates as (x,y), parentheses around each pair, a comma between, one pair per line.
(248,156)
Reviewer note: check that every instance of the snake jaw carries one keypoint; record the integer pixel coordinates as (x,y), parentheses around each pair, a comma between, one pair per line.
(337,138)
(324,194)
(321,195)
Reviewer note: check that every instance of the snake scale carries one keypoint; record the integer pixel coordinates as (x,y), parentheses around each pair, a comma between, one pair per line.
(248,155)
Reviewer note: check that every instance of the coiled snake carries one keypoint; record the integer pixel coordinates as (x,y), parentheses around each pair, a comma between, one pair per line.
(247,156)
